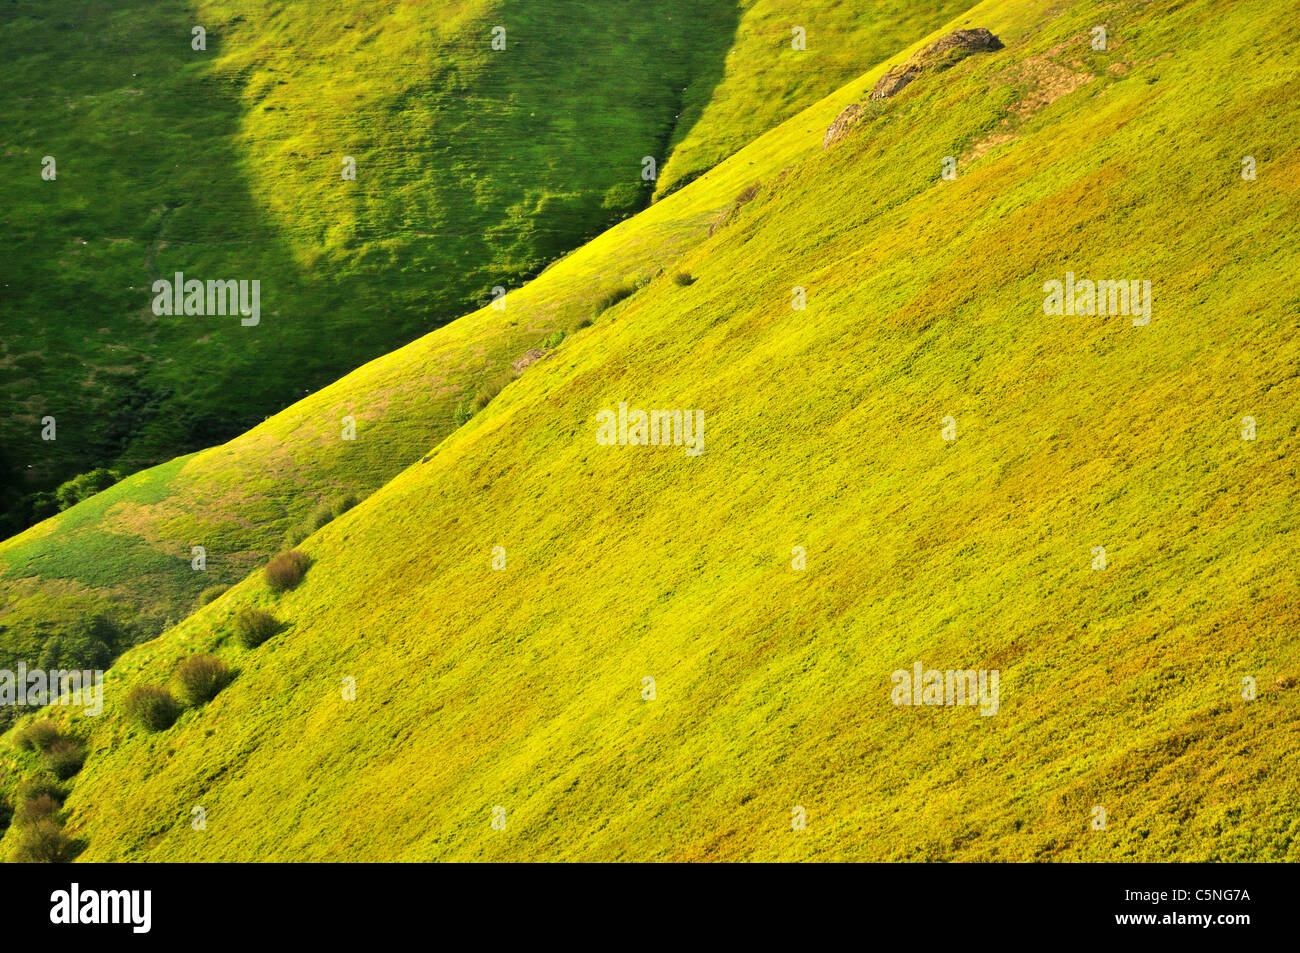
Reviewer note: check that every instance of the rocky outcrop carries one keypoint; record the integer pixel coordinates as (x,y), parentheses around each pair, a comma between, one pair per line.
(845,121)
(529,357)
(939,55)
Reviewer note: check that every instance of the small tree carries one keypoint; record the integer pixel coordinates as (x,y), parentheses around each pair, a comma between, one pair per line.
(35,787)
(39,735)
(39,808)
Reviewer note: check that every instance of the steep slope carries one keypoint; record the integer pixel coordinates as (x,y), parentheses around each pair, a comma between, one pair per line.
(785,55)
(474,167)
(125,554)
(522,688)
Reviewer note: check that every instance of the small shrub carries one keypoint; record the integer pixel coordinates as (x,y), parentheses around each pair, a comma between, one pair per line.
(552,340)
(253,627)
(345,503)
(683,278)
(64,758)
(487,392)
(585,323)
(151,707)
(199,678)
(323,515)
(212,594)
(44,842)
(613,297)
(39,735)
(41,808)
(296,535)
(286,570)
(36,787)
(6,815)
(461,415)
(748,194)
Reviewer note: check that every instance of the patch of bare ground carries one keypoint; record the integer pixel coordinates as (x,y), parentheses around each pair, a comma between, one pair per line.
(1047,80)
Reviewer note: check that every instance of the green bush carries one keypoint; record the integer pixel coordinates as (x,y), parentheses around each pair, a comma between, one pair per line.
(212,594)
(199,678)
(64,758)
(323,515)
(44,842)
(151,707)
(84,486)
(286,570)
(296,535)
(345,503)
(6,815)
(36,787)
(487,393)
(613,297)
(683,278)
(253,627)
(38,736)
(553,339)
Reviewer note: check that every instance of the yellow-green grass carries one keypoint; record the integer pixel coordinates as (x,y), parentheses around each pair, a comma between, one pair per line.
(521,688)
(127,551)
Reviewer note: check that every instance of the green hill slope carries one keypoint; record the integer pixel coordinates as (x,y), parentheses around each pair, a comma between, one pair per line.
(475,167)
(523,689)
(120,563)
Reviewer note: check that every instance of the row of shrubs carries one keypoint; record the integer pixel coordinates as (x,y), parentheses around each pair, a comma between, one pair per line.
(39,815)
(39,818)
(196,681)
(199,678)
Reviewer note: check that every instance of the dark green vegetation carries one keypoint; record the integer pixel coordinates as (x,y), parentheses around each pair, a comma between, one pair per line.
(475,168)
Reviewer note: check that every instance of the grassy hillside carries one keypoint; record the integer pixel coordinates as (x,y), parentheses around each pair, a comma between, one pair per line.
(771,73)
(521,688)
(475,167)
(125,554)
